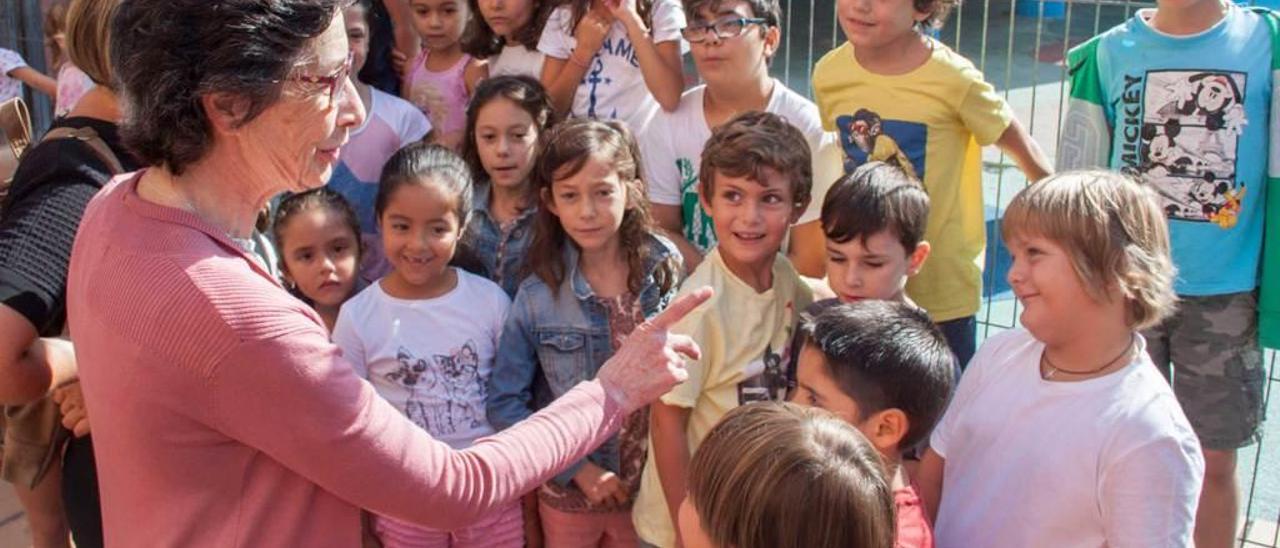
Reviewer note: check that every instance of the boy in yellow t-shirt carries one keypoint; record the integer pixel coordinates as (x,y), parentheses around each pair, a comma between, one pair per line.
(896,95)
(755,179)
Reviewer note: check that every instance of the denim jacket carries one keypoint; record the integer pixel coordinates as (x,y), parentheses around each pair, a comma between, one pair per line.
(566,339)
(483,236)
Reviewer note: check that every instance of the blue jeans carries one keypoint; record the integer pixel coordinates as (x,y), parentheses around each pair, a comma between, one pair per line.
(962,337)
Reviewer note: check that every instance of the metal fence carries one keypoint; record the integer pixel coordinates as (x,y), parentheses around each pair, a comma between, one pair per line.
(1019,45)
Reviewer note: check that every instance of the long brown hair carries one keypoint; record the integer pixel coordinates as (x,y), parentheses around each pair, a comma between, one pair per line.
(777,475)
(563,153)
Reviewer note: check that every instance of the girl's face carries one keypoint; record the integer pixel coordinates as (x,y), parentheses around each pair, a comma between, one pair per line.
(1052,295)
(319,251)
(506,17)
(590,204)
(440,23)
(505,139)
(420,229)
(357,36)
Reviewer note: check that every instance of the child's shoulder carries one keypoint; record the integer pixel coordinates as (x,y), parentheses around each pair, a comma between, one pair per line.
(839,58)
(1004,349)
(473,286)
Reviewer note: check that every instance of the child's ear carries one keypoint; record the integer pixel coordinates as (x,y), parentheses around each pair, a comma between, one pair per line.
(886,429)
(800,207)
(772,37)
(917,258)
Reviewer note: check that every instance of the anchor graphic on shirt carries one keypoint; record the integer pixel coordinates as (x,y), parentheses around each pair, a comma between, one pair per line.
(594,79)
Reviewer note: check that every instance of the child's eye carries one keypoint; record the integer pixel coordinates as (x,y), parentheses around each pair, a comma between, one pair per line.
(568,195)
(873,264)
(772,199)
(835,259)
(605,192)
(440,230)
(731,195)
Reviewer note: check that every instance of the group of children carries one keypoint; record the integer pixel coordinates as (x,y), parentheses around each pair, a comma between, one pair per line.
(473,288)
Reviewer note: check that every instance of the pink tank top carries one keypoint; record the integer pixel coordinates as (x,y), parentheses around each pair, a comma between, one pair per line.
(442,96)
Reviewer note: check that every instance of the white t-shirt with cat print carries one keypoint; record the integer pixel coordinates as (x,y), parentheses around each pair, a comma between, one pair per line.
(430,358)
(613,86)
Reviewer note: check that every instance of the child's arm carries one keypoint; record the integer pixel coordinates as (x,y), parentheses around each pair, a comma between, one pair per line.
(1025,151)
(477,70)
(671,220)
(929,480)
(509,398)
(659,62)
(406,38)
(668,424)
(561,76)
(36,79)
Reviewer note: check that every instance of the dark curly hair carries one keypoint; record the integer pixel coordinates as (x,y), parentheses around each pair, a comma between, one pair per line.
(563,153)
(167,54)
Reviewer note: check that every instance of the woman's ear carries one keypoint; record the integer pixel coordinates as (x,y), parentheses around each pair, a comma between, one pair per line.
(225,111)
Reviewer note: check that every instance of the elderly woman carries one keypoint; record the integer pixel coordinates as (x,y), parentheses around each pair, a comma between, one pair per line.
(222,415)
(51,187)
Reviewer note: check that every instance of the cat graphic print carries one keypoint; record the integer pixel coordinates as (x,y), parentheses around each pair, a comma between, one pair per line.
(444,392)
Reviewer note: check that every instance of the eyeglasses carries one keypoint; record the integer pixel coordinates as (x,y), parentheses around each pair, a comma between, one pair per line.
(723,29)
(337,81)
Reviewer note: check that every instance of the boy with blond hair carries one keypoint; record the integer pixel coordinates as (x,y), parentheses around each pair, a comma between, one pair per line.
(755,182)
(896,95)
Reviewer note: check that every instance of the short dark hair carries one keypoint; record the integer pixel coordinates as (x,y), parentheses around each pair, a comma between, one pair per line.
(426,164)
(874,197)
(167,54)
(751,142)
(886,355)
(769,10)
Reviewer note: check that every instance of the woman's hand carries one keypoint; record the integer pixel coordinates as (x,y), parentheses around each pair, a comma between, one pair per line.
(602,487)
(651,361)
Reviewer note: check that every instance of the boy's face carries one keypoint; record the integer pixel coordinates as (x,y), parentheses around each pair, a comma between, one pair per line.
(877,23)
(728,61)
(875,267)
(751,217)
(816,388)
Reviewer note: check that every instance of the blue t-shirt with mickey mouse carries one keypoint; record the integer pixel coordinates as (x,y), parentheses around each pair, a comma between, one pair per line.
(1190,117)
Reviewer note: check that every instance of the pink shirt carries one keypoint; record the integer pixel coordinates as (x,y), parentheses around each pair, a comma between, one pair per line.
(222,415)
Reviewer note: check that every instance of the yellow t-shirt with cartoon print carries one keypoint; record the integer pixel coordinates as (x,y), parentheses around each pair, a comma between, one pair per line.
(743,336)
(936,118)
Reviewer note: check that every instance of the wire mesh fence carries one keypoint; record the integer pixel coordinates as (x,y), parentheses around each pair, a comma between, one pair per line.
(1020,46)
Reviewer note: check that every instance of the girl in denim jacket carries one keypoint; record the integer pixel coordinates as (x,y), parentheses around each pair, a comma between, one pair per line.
(504,121)
(599,269)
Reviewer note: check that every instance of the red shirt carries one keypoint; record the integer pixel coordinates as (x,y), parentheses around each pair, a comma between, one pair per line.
(913,527)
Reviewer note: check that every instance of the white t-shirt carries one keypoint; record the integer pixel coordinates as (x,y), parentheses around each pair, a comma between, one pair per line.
(672,145)
(613,87)
(10,61)
(429,358)
(1110,461)
(515,60)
